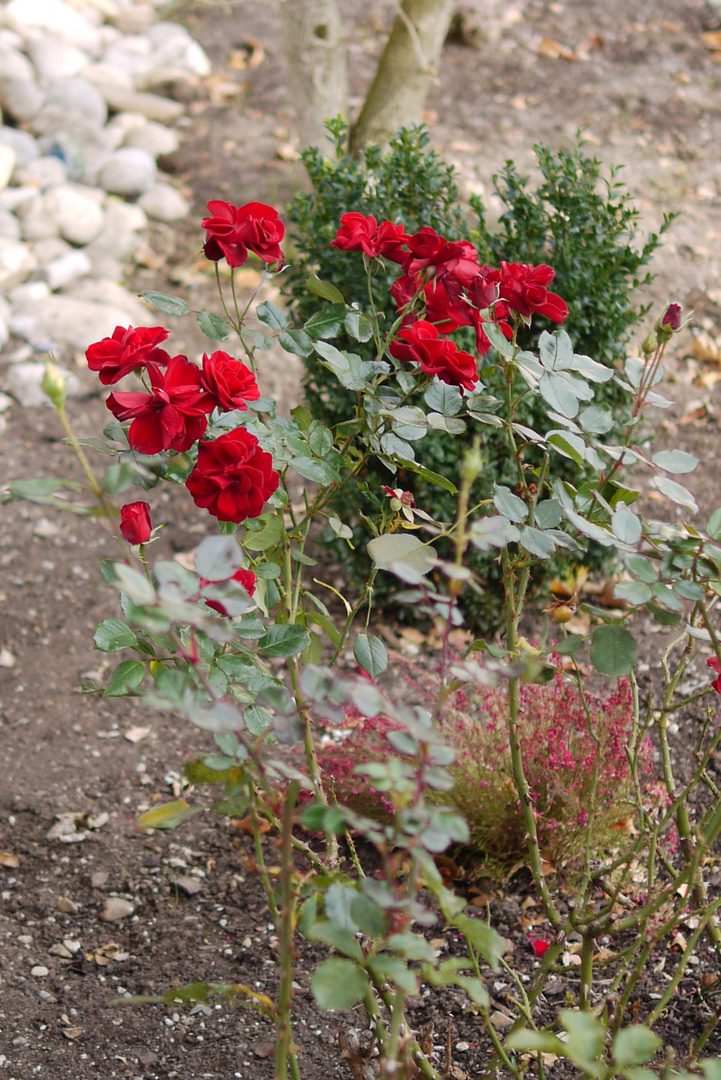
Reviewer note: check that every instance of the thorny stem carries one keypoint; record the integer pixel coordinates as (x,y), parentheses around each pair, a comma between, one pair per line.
(285,925)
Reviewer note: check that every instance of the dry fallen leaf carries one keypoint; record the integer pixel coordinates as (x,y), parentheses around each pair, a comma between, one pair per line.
(712,39)
(704,347)
(72,1032)
(288,152)
(8,860)
(245,825)
(554,50)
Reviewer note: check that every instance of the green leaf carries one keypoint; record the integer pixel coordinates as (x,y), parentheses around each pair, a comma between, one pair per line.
(284,640)
(319,818)
(713,525)
(493,531)
(358,325)
(338,937)
(633,592)
(268,536)
(428,474)
(642,567)
(127,677)
(296,342)
(565,447)
(485,940)
(112,635)
(613,650)
(167,816)
(326,323)
(273,316)
(509,504)
(338,983)
(338,902)
(549,514)
(403,555)
(569,645)
(320,472)
(213,326)
(537,543)
(443,398)
(395,969)
(370,652)
(626,525)
(218,557)
(169,305)
(559,393)
(535,1040)
(675,492)
(675,461)
(598,419)
(635,1045)
(324,289)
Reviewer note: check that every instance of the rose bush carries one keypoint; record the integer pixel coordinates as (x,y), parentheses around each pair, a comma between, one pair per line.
(247,644)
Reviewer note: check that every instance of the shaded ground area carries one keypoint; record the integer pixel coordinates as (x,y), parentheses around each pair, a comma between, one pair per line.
(647,96)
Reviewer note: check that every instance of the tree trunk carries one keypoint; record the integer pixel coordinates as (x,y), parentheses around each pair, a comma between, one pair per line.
(315,49)
(409,62)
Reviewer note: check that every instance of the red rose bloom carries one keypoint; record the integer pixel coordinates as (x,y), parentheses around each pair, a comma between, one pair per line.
(404,289)
(540,947)
(436,355)
(228,381)
(135,523)
(523,287)
(716,684)
(445,314)
(429,251)
(233,231)
(126,350)
(233,477)
(172,417)
(246,578)
(359,233)
(672,316)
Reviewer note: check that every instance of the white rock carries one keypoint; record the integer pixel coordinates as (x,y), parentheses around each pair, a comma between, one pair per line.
(4,308)
(53,247)
(121,126)
(106,265)
(21,99)
(104,76)
(22,142)
(8,160)
(43,172)
(128,171)
(185,55)
(124,216)
(39,971)
(67,268)
(103,291)
(76,210)
(12,199)
(9,226)
(151,106)
(72,322)
(132,54)
(24,382)
(25,297)
(4,333)
(37,222)
(83,146)
(55,59)
(164,203)
(13,65)
(5,403)
(57,18)
(154,138)
(78,95)
(17,262)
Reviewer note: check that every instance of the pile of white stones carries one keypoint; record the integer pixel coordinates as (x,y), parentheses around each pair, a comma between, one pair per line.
(81,128)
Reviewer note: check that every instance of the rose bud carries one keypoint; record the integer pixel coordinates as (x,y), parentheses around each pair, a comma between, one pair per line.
(135,523)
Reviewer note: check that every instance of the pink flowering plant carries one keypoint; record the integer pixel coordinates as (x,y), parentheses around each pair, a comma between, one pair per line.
(249,644)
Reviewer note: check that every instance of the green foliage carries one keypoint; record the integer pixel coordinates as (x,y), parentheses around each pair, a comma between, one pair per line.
(581,224)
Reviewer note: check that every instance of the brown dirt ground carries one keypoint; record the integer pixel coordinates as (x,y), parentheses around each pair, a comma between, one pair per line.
(647,97)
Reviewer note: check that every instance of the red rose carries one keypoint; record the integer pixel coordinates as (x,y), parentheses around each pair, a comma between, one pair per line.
(233,477)
(126,350)
(135,522)
(523,287)
(404,289)
(234,231)
(359,233)
(228,381)
(436,355)
(540,947)
(429,251)
(716,684)
(172,417)
(246,578)
(483,290)
(672,316)
(445,314)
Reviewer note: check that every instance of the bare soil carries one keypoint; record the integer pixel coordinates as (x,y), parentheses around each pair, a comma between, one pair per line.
(646,96)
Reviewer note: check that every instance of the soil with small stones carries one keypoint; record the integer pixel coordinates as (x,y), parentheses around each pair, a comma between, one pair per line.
(646,96)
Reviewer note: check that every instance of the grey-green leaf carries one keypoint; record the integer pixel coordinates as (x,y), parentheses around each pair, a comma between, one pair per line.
(613,650)
(370,652)
(338,983)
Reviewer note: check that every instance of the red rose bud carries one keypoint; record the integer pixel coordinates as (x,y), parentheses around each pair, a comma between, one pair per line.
(540,947)
(437,356)
(228,381)
(135,523)
(233,231)
(716,684)
(523,287)
(127,349)
(233,477)
(173,416)
(672,317)
(359,233)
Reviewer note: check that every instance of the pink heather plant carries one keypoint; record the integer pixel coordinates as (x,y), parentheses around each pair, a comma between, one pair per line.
(574,756)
